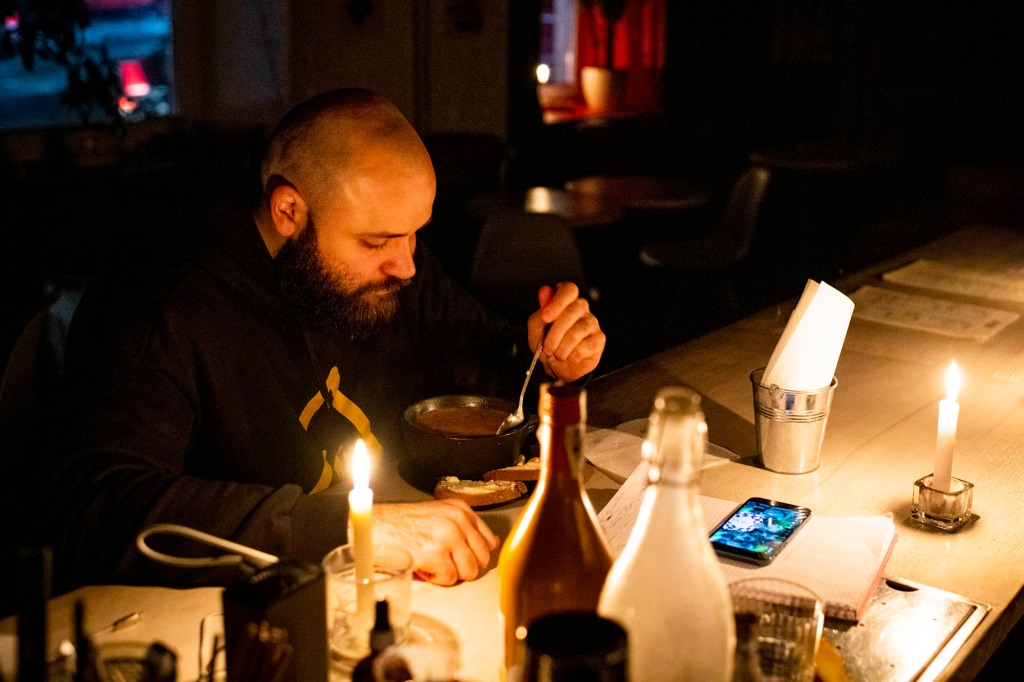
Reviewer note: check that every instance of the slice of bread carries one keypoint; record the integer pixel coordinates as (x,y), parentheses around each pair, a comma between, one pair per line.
(525,471)
(478,493)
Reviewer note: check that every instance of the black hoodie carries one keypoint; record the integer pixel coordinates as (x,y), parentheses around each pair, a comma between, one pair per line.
(196,394)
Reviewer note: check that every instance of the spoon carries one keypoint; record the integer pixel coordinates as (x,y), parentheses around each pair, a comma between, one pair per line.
(516,418)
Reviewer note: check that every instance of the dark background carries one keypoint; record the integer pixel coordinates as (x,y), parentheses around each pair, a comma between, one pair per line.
(929,92)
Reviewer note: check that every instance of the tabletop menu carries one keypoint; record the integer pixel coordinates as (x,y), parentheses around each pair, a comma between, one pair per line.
(929,314)
(1005,285)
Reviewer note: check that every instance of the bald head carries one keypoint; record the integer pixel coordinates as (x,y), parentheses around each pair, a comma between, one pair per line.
(338,134)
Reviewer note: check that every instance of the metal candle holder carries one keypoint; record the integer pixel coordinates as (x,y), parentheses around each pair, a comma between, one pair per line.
(948,511)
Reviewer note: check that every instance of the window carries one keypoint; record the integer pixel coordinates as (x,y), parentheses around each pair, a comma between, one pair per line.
(558,40)
(118,66)
(574,34)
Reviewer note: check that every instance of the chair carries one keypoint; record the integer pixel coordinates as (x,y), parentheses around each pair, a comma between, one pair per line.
(517,253)
(34,367)
(27,395)
(714,256)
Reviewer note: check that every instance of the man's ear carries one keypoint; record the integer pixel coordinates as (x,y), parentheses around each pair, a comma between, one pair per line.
(288,211)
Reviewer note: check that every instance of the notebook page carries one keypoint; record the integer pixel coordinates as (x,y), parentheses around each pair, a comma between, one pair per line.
(839,557)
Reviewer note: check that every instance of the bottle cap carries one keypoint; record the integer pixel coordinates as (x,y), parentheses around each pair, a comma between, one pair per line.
(677,399)
(676,435)
(381,636)
(563,403)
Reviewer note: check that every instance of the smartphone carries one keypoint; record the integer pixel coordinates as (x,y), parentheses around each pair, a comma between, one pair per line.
(758,530)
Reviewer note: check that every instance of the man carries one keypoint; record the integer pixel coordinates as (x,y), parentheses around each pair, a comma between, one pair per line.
(216,382)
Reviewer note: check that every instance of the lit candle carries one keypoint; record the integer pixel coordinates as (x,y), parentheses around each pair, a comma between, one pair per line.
(360,518)
(949,410)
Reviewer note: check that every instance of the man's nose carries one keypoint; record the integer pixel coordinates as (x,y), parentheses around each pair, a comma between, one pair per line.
(399,263)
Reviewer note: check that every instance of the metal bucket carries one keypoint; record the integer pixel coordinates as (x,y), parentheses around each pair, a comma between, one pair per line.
(790,425)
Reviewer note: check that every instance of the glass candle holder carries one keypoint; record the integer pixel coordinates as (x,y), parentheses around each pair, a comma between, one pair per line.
(949,511)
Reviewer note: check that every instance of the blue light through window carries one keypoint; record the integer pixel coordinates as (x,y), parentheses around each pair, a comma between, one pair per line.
(131,39)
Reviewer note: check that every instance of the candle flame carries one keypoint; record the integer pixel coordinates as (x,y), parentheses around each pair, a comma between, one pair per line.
(538,200)
(360,466)
(953,380)
(543,73)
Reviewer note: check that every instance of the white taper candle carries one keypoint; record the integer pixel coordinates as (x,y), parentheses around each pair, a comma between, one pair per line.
(949,411)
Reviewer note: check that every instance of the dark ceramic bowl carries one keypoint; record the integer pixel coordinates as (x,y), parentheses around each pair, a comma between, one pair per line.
(435,455)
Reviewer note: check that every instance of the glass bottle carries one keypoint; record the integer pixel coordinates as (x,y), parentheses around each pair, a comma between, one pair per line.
(574,646)
(666,588)
(556,557)
(381,637)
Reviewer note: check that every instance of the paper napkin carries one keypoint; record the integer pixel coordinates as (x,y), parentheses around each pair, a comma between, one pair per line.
(806,355)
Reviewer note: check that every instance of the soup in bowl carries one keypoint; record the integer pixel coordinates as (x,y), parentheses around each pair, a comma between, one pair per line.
(455,435)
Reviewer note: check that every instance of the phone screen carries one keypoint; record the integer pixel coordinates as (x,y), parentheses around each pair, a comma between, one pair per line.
(757,530)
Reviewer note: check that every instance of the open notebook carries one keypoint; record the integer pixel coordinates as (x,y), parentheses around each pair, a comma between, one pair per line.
(839,557)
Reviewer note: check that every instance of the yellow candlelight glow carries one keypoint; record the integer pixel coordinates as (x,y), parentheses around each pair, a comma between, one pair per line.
(360,466)
(538,200)
(360,517)
(953,380)
(543,73)
(949,412)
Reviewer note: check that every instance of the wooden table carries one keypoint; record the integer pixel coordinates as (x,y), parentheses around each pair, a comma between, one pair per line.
(881,433)
(548,200)
(824,157)
(636,192)
(597,200)
(880,439)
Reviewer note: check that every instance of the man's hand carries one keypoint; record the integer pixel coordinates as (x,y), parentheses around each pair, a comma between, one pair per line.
(448,541)
(575,342)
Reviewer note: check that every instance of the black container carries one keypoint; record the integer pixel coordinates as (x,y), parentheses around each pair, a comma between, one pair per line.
(433,455)
(289,595)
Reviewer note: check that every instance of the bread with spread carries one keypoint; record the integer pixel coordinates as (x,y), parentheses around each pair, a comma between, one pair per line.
(528,470)
(478,493)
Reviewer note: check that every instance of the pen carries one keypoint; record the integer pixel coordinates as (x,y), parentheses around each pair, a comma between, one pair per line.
(120,624)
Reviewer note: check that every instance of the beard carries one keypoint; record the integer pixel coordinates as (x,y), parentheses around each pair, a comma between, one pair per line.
(333,296)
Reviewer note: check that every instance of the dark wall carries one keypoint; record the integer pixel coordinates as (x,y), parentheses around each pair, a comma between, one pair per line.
(939,79)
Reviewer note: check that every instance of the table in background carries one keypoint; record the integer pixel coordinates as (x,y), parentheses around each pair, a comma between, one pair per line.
(824,157)
(547,200)
(597,200)
(600,193)
(880,439)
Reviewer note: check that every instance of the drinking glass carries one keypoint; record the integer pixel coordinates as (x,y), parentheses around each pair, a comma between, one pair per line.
(348,631)
(212,648)
(778,628)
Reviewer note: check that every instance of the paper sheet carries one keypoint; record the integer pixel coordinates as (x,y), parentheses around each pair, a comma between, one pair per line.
(807,353)
(839,557)
(928,314)
(616,452)
(928,274)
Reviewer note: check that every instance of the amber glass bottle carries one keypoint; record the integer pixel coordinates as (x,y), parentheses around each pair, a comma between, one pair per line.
(556,557)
